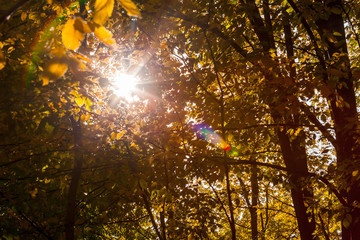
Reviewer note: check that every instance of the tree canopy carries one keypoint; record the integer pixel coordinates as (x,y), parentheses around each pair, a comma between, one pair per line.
(179,119)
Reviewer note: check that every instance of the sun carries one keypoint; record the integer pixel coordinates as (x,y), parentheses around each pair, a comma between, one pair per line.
(124,85)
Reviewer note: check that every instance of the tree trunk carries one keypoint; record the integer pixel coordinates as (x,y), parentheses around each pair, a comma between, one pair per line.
(254,202)
(345,116)
(75,179)
(293,151)
(231,207)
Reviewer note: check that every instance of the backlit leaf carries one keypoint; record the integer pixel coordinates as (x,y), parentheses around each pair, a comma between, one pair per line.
(119,135)
(103,10)
(54,69)
(113,135)
(73,33)
(130,8)
(2,60)
(104,35)
(23,16)
(79,101)
(76,65)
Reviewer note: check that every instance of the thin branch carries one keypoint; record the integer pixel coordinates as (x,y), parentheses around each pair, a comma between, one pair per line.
(310,33)
(12,10)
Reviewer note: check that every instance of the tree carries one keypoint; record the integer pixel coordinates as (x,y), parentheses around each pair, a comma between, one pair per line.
(245,108)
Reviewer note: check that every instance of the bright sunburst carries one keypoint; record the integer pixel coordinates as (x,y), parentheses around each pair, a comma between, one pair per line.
(124,85)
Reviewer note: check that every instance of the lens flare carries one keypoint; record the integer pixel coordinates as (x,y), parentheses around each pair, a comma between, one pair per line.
(206,133)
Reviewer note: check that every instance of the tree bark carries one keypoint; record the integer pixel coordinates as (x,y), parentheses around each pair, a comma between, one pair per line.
(345,116)
(231,207)
(75,179)
(293,151)
(254,202)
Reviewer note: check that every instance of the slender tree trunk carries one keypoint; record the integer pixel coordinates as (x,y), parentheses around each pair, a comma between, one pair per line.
(75,179)
(231,207)
(293,151)
(254,201)
(151,215)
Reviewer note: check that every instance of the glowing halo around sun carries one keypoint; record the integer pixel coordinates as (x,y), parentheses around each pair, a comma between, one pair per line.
(124,85)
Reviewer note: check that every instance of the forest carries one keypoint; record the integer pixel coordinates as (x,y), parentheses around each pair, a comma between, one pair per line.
(180,119)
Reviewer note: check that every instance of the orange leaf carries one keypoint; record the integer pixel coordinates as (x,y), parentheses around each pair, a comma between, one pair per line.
(103,10)
(130,8)
(73,33)
(2,60)
(104,35)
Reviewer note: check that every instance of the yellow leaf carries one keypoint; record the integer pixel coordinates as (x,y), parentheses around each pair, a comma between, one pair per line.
(82,57)
(82,25)
(113,135)
(34,192)
(130,8)
(354,173)
(104,35)
(79,101)
(73,33)
(2,60)
(119,135)
(103,10)
(23,16)
(54,69)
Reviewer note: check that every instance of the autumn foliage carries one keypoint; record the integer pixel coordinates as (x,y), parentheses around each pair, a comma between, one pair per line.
(243,123)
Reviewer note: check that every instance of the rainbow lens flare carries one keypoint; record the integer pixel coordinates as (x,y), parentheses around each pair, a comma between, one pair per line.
(206,133)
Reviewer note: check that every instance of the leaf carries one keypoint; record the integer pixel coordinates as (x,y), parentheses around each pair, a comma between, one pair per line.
(113,135)
(79,101)
(104,35)
(130,8)
(336,10)
(54,69)
(347,220)
(119,135)
(2,60)
(76,65)
(103,10)
(73,33)
(49,129)
(88,104)
(34,192)
(23,16)
(354,173)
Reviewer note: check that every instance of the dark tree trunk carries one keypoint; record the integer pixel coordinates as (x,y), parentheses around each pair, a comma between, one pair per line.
(231,207)
(293,151)
(75,179)
(345,116)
